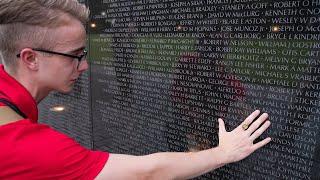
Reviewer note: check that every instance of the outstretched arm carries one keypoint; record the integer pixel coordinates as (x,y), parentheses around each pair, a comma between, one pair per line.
(233,146)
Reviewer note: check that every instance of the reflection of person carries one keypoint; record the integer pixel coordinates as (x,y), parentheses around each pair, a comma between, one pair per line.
(42,49)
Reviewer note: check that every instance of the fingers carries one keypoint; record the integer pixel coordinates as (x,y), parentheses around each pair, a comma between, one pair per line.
(222,127)
(256,124)
(250,118)
(258,132)
(261,143)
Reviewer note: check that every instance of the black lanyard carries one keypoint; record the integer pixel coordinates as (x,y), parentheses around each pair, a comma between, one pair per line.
(13,107)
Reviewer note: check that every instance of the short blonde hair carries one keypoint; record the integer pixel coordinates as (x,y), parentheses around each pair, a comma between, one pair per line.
(25,22)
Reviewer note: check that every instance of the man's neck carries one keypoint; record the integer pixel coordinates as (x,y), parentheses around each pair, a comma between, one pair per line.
(36,92)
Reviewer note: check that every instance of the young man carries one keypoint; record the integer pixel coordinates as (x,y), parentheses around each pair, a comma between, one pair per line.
(42,46)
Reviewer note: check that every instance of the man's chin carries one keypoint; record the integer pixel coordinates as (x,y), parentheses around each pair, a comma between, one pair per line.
(65,90)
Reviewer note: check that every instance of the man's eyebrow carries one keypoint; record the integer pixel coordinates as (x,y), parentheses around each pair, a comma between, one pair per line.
(78,49)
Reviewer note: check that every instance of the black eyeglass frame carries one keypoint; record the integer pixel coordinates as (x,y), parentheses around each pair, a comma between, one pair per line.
(79,58)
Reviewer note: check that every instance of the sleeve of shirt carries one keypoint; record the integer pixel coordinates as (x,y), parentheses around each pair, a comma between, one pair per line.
(57,156)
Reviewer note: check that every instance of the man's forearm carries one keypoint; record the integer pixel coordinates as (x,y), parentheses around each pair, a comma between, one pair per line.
(185,165)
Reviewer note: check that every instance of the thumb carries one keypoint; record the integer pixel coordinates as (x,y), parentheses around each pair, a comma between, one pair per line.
(222,127)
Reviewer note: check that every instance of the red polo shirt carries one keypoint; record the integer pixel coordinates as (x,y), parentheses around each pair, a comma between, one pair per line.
(29,150)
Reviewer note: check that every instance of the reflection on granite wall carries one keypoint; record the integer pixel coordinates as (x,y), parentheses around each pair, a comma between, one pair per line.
(163,71)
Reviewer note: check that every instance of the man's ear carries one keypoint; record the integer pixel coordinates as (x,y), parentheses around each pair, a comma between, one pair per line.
(29,58)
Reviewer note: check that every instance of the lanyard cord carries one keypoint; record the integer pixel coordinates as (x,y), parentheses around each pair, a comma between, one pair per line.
(13,107)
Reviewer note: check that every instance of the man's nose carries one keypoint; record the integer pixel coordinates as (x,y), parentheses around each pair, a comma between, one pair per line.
(83,66)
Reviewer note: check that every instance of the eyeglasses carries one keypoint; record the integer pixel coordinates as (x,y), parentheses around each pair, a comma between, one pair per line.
(79,58)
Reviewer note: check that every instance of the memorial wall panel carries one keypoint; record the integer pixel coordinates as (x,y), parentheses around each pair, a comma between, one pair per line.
(163,71)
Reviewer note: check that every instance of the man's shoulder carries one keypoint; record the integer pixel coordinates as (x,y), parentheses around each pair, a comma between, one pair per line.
(27,145)
(27,133)
(33,142)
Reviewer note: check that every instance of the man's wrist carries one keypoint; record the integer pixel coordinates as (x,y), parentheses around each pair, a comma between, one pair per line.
(220,156)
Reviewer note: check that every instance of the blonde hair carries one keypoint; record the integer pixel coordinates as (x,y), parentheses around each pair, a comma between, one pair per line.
(26,23)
